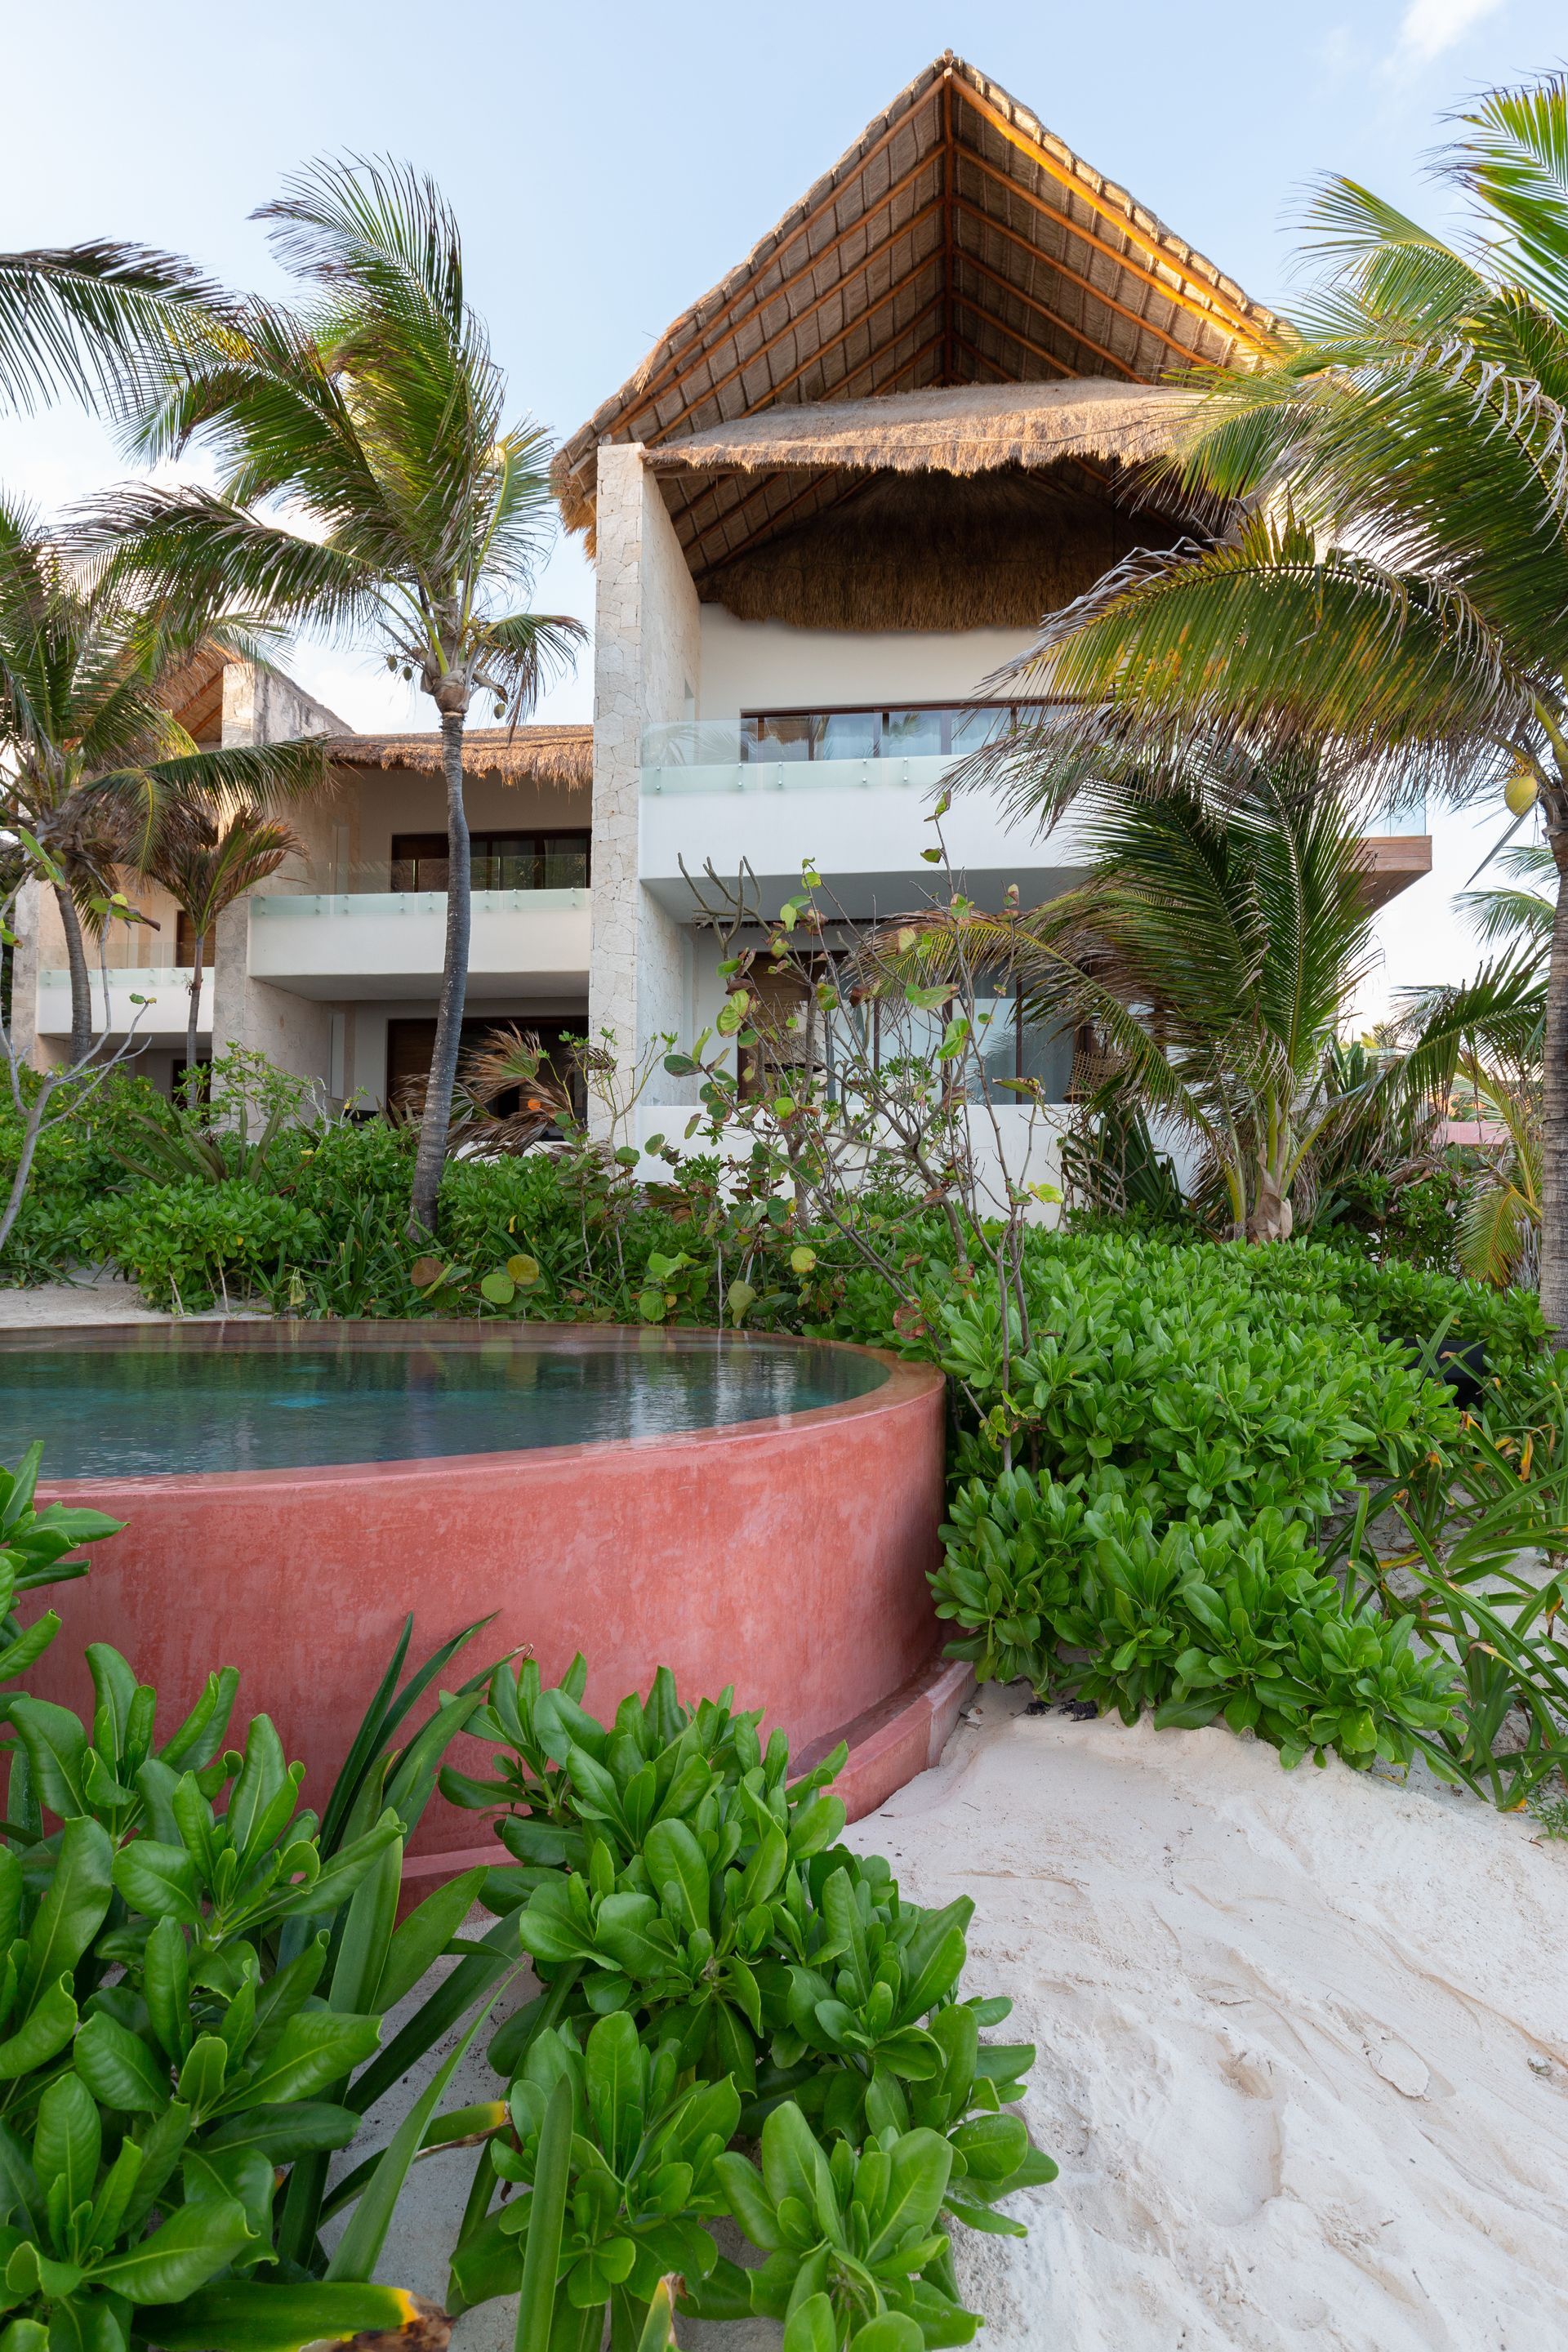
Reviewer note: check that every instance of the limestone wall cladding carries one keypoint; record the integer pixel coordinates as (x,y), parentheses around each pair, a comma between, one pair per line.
(648,671)
(262,705)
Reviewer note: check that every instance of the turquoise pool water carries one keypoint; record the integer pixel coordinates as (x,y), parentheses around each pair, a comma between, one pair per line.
(247,1396)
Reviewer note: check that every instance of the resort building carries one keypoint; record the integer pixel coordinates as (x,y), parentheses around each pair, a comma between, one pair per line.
(829,506)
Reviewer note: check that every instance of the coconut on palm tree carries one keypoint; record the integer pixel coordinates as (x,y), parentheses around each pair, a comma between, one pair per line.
(415,515)
(204,865)
(93,763)
(1385,566)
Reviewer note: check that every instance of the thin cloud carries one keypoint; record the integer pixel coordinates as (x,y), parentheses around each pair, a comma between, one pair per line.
(1429,27)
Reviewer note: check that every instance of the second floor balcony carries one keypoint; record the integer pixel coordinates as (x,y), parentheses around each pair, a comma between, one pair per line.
(854,789)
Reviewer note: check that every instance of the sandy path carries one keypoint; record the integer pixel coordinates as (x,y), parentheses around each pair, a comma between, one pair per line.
(1303,2042)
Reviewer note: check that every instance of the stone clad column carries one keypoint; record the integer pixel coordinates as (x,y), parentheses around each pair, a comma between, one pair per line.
(647,672)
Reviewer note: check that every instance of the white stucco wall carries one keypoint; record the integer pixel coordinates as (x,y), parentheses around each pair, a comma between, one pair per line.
(769,665)
(647,672)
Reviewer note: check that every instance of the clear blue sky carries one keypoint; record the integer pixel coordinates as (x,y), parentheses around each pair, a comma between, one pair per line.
(609,163)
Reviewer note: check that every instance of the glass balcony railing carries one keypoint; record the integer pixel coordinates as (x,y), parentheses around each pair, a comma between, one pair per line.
(129,948)
(425,877)
(816,749)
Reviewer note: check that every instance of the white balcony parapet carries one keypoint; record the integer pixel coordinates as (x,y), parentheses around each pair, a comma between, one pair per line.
(164,991)
(351,943)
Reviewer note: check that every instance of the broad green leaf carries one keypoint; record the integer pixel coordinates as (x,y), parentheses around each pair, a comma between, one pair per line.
(314,2048)
(43,2034)
(68,2141)
(424,1936)
(920,2164)
(188,2249)
(159,1881)
(675,1861)
(613,2072)
(119,2069)
(73,1909)
(56,1751)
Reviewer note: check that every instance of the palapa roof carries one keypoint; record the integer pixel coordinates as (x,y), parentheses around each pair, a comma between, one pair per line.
(518,755)
(957,248)
(952,429)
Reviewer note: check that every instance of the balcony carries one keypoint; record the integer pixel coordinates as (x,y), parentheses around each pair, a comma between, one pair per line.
(350,936)
(854,789)
(125,974)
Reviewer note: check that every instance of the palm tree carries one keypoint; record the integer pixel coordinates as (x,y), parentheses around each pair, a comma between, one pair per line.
(92,763)
(205,867)
(1215,953)
(1518,913)
(378,413)
(1390,573)
(85,318)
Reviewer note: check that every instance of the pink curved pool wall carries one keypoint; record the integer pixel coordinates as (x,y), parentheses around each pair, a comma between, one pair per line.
(788,1557)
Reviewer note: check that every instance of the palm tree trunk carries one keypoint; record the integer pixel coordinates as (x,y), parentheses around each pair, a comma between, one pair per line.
(193,1025)
(433,1127)
(81,978)
(1554,1108)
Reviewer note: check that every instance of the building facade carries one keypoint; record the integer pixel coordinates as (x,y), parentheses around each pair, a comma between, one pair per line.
(825,514)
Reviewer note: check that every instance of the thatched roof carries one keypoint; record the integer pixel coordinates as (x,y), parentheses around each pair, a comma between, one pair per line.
(925,551)
(956,243)
(953,429)
(518,755)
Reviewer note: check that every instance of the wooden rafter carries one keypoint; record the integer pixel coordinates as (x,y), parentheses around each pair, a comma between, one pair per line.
(1042,309)
(1215,309)
(1059,268)
(657,386)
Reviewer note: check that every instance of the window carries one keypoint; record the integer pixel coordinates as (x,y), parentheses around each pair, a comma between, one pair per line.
(546,860)
(186,944)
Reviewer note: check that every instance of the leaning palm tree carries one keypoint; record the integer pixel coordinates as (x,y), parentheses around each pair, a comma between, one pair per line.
(91,760)
(91,318)
(204,865)
(1384,562)
(377,412)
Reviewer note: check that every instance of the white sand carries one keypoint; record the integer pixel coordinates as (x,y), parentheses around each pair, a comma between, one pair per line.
(97,1298)
(1303,2042)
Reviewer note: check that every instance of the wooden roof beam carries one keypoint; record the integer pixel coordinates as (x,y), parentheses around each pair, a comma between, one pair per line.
(1042,309)
(906,122)
(1216,309)
(711,392)
(1087,285)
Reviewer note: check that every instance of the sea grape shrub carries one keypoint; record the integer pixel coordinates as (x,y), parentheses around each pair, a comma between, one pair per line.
(188,1241)
(1178,1371)
(674,1876)
(1074,1587)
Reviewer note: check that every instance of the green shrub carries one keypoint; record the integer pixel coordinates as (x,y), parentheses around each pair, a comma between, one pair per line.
(681,1891)
(188,1241)
(1192,1373)
(1073,1587)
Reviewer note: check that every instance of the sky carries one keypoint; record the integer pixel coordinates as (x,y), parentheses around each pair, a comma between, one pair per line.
(608,164)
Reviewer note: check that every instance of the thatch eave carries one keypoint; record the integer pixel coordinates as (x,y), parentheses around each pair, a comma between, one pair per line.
(954,429)
(518,755)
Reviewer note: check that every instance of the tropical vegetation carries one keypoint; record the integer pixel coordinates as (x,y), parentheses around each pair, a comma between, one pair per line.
(1380,567)
(416,515)
(199,1977)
